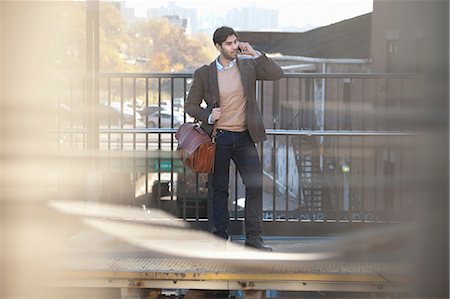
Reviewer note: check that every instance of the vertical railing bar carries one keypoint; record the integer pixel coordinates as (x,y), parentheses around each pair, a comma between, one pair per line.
(399,178)
(414,174)
(184,97)
(339,105)
(300,107)
(121,111)
(363,145)
(363,103)
(364,176)
(274,165)
(147,103)
(376,182)
(287,107)
(134,113)
(146,137)
(302,92)
(159,111)
(121,124)
(287,179)
(350,179)
(376,151)
(350,158)
(300,179)
(261,94)
(235,194)
(377,106)
(313,151)
(261,101)
(286,126)
(386,186)
(171,141)
(134,174)
(339,198)
(184,168)
(404,128)
(301,126)
(275,114)
(171,102)
(171,137)
(197,205)
(159,140)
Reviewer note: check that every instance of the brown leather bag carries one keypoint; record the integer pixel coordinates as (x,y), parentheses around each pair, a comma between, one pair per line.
(196,148)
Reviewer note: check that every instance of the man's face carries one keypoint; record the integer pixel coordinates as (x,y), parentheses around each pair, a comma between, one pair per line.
(229,48)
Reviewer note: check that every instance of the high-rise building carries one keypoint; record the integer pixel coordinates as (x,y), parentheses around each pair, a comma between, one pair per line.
(173,10)
(253,18)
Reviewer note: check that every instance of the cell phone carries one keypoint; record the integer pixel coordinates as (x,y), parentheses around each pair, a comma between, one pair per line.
(239,49)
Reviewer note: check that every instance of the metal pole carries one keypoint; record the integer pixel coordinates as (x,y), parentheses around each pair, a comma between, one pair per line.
(93,176)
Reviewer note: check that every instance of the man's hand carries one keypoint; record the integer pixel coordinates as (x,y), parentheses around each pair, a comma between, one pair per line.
(215,114)
(246,49)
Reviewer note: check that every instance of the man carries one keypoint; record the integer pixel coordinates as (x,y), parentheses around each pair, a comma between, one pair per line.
(228,86)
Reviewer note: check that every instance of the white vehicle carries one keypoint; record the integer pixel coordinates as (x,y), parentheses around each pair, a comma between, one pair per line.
(166,119)
(127,113)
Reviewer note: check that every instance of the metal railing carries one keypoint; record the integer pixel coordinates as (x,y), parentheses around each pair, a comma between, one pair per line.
(338,148)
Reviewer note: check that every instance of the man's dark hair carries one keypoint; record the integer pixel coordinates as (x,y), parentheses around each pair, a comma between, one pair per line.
(221,34)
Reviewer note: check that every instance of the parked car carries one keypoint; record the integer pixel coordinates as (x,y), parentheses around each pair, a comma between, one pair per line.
(127,113)
(151,109)
(166,119)
(115,116)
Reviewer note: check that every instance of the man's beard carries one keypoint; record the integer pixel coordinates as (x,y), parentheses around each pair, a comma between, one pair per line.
(227,56)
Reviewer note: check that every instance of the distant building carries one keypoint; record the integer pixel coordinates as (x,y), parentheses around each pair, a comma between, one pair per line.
(401,35)
(249,18)
(127,13)
(179,22)
(340,47)
(190,14)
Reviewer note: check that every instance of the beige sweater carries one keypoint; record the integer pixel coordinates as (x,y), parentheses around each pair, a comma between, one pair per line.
(232,100)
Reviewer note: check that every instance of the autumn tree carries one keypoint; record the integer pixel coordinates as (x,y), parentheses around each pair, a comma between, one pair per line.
(155,44)
(167,48)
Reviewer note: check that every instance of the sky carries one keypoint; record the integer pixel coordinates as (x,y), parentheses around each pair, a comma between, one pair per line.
(299,13)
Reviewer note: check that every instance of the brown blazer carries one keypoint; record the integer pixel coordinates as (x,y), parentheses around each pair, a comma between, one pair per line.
(206,87)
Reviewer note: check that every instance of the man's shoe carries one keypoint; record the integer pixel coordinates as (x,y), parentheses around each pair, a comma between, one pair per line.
(258,244)
(221,234)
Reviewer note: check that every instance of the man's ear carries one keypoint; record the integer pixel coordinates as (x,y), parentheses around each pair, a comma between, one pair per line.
(218,46)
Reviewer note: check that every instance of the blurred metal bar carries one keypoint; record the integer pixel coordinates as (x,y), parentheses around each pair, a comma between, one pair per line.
(278,132)
(286,75)
(92,70)
(109,119)
(121,112)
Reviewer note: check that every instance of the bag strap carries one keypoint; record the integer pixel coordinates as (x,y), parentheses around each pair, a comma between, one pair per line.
(215,105)
(214,132)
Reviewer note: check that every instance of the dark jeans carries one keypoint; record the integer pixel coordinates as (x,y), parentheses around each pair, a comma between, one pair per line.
(240,148)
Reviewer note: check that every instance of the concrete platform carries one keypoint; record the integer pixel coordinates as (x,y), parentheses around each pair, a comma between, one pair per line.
(95,260)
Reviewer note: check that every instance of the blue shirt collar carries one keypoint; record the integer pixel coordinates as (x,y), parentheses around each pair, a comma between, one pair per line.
(220,67)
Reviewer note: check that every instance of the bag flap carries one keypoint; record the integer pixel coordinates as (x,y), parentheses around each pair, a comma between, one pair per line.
(190,136)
